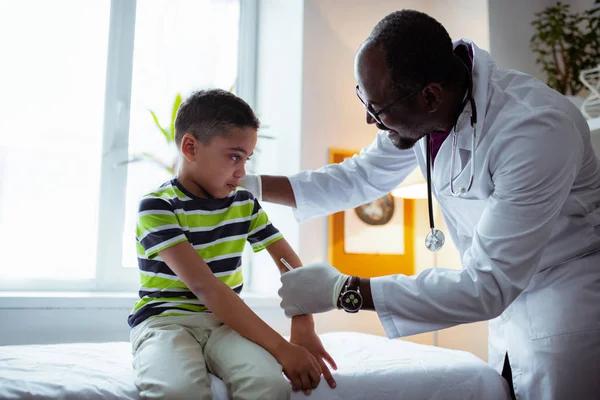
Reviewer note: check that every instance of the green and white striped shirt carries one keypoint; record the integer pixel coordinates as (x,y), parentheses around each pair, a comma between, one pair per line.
(216,228)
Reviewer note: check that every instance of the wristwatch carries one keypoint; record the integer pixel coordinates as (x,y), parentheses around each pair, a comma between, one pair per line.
(350,298)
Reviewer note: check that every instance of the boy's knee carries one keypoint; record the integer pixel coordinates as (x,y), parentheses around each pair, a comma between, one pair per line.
(175,392)
(267,386)
(278,385)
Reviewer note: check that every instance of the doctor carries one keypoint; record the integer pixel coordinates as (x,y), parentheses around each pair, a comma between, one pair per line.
(518,183)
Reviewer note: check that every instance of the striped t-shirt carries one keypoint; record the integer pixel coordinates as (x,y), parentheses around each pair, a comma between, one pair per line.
(216,228)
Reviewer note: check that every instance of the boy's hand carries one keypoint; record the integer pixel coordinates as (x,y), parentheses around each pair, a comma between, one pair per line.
(308,339)
(299,366)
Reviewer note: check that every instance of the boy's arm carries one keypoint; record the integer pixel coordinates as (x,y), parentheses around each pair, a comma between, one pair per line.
(303,326)
(232,311)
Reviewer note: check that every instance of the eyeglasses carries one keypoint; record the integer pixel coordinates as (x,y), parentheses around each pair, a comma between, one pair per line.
(375,114)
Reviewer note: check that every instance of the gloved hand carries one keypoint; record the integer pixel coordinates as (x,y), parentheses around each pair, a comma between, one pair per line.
(253,184)
(311,289)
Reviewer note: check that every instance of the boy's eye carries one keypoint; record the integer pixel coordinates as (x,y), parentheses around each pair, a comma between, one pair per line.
(237,157)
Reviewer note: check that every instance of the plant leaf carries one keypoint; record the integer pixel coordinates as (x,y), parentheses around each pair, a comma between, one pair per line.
(176,105)
(158,124)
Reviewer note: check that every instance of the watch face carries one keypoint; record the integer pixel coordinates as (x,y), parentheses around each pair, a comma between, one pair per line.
(351,301)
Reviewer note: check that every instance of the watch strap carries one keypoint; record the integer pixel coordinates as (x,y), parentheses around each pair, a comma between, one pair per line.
(353,283)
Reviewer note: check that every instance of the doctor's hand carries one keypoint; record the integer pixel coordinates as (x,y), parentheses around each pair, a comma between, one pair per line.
(311,289)
(253,184)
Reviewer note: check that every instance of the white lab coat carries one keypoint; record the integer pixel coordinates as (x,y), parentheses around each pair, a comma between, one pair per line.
(528,232)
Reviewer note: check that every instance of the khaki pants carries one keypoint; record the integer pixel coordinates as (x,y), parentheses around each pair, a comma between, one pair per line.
(173,355)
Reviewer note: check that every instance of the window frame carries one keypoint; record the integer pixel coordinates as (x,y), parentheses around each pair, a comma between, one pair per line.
(110,274)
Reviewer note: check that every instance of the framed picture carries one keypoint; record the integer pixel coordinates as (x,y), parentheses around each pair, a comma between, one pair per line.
(373,239)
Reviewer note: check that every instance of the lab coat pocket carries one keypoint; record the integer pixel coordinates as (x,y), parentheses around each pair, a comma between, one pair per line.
(564,299)
(470,210)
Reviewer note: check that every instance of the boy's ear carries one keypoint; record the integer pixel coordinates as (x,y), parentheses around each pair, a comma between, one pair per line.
(189,147)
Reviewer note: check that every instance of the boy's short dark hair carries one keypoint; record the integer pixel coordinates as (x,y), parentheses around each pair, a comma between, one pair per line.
(418,49)
(209,113)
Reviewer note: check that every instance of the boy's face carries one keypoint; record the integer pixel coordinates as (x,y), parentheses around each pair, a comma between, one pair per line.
(218,166)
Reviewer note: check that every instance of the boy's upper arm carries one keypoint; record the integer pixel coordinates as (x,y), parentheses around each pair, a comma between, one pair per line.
(158,227)
(261,233)
(189,266)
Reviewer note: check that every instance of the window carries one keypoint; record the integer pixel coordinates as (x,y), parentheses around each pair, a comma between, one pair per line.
(75,95)
(179,45)
(52,99)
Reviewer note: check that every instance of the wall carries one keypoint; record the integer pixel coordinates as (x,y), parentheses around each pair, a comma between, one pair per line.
(463,18)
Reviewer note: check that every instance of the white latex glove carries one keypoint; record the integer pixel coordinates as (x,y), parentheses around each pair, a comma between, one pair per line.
(253,184)
(311,289)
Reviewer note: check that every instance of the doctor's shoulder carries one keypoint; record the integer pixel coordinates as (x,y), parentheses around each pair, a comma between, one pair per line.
(542,115)
(528,147)
(518,100)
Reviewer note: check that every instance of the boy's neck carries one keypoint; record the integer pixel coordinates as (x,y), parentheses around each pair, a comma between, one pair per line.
(192,187)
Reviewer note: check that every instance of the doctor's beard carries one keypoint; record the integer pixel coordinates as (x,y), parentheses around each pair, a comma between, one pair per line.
(403,142)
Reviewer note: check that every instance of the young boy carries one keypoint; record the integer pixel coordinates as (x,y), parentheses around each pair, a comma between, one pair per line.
(190,236)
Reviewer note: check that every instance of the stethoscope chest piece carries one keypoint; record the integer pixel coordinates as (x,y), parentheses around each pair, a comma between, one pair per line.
(435,240)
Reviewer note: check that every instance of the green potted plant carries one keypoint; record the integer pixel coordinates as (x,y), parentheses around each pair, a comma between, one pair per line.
(566,42)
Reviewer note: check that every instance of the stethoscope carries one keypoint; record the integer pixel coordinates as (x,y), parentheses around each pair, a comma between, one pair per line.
(435,239)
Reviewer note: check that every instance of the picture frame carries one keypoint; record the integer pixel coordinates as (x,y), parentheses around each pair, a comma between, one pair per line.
(371,262)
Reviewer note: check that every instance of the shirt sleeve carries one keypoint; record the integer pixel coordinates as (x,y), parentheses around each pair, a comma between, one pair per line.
(262,232)
(375,171)
(533,167)
(157,228)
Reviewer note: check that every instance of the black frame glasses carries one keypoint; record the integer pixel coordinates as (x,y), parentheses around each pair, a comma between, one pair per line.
(375,114)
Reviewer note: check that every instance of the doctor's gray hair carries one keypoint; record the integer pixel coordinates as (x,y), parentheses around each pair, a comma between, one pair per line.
(208,113)
(418,49)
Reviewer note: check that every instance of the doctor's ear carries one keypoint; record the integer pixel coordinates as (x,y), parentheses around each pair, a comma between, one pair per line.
(432,95)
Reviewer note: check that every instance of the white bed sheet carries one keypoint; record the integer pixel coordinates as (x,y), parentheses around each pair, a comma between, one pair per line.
(370,367)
